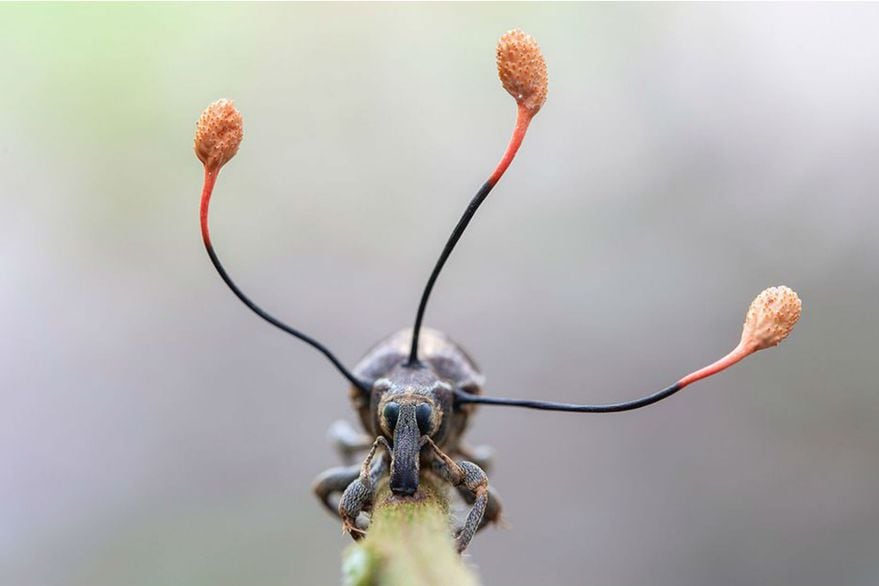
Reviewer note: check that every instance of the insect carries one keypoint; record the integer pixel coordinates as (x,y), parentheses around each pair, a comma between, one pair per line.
(415,392)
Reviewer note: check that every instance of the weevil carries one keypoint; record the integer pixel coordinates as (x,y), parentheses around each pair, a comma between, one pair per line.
(415,392)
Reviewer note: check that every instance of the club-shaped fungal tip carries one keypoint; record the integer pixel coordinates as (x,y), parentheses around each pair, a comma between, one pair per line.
(218,134)
(522,70)
(770,318)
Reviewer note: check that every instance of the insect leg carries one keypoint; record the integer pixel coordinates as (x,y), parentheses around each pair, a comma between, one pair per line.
(358,496)
(492,509)
(347,440)
(482,456)
(332,482)
(470,477)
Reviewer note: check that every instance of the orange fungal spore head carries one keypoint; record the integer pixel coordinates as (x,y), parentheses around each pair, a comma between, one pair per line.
(522,70)
(771,317)
(218,134)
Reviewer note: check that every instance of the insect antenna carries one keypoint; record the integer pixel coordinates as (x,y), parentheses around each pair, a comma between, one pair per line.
(769,320)
(522,71)
(218,135)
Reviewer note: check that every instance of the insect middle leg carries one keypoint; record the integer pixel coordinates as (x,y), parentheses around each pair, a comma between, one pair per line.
(470,477)
(347,440)
(482,456)
(360,492)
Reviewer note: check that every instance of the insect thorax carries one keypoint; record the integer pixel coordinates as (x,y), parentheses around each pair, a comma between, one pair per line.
(444,366)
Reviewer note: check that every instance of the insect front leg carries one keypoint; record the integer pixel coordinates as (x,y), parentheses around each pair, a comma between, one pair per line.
(470,477)
(360,492)
(332,482)
(492,509)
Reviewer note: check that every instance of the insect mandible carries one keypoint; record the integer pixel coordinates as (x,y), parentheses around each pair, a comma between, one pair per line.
(415,391)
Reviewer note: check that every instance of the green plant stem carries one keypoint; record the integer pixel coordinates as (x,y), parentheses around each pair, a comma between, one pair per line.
(409,543)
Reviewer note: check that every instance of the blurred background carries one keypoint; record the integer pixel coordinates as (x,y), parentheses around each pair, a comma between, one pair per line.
(153,431)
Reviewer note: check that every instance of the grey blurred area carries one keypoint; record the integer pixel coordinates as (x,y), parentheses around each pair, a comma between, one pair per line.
(153,431)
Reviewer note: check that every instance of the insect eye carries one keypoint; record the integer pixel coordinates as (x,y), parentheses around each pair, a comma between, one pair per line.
(391,412)
(422,416)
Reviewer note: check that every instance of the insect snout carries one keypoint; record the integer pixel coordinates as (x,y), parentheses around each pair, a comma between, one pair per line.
(406,423)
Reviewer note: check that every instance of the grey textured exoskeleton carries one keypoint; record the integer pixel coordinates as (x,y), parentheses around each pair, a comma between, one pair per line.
(413,425)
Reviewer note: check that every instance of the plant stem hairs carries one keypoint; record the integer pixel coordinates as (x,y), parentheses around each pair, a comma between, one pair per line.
(522,71)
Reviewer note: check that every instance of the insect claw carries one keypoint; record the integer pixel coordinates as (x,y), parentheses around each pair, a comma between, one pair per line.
(351,528)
